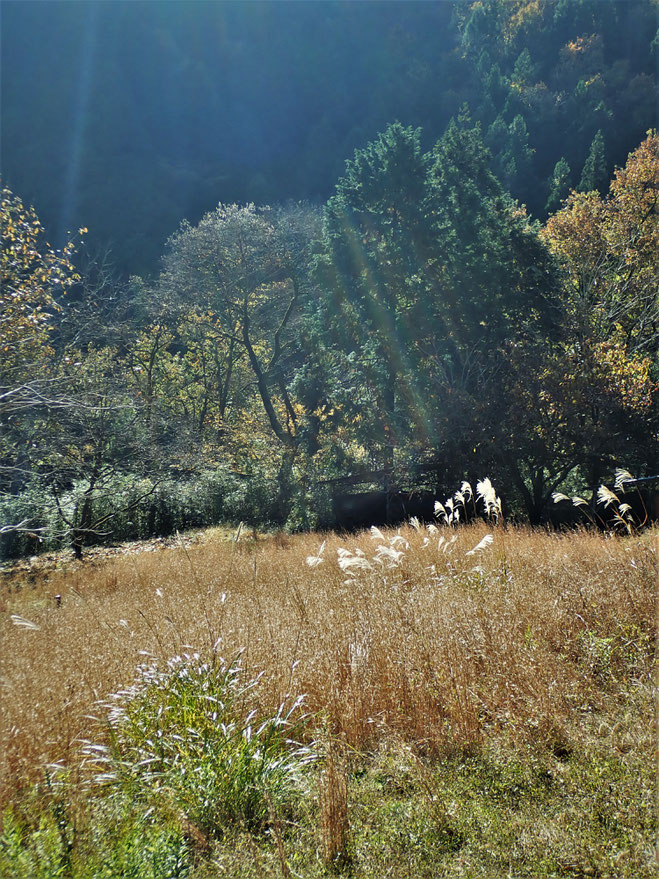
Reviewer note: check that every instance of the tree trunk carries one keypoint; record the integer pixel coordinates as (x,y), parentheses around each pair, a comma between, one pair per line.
(285,490)
(83,528)
(390,441)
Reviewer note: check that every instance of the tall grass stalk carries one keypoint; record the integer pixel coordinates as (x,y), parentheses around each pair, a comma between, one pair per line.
(333,800)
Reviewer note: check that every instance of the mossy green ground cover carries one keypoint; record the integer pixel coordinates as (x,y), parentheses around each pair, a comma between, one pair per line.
(494,812)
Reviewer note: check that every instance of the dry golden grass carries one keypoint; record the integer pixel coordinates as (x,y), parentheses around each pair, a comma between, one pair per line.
(511,640)
(333,801)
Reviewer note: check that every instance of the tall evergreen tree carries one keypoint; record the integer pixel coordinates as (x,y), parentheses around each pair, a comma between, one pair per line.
(519,146)
(497,140)
(559,185)
(511,152)
(370,267)
(489,272)
(428,268)
(524,69)
(594,176)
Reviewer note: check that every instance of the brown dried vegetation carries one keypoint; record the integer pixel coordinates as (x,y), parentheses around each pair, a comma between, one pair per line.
(438,648)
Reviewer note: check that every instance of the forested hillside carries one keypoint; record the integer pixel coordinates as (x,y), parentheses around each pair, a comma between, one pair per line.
(392,305)
(128,117)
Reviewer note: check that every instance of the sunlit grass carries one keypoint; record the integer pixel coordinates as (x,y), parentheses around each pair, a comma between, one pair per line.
(505,684)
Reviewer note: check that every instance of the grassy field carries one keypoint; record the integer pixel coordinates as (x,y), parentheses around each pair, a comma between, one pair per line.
(470,708)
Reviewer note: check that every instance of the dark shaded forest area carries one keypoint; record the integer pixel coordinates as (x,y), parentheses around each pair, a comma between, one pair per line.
(127,117)
(473,292)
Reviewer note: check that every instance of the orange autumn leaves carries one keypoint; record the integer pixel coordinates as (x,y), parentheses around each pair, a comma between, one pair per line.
(607,249)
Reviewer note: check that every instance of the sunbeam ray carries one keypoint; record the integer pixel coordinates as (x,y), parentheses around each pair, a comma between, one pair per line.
(80,122)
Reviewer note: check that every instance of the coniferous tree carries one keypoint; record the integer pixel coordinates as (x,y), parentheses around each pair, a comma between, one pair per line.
(594,176)
(497,140)
(370,268)
(495,90)
(519,145)
(513,156)
(428,267)
(524,69)
(559,185)
(489,272)
(492,287)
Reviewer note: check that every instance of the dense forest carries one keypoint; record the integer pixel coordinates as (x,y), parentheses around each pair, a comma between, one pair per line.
(128,117)
(321,247)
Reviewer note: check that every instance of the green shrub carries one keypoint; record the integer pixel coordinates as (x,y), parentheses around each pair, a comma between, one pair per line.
(130,507)
(191,738)
(120,840)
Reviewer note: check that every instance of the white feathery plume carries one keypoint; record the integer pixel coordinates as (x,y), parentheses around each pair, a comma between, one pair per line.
(486,541)
(622,476)
(485,491)
(354,561)
(388,552)
(606,496)
(399,540)
(440,511)
(23,623)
